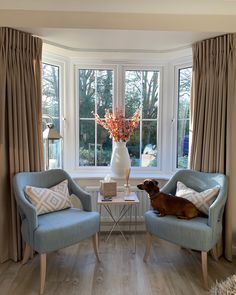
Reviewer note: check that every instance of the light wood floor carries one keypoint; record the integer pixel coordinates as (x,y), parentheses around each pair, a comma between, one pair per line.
(75,271)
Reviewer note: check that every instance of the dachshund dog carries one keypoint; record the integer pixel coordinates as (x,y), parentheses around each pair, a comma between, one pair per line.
(167,204)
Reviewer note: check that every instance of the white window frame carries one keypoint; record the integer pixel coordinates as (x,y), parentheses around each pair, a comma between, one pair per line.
(160,111)
(177,67)
(61,93)
(118,101)
(77,120)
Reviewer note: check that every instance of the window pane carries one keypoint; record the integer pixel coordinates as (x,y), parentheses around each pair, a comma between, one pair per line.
(142,91)
(104,91)
(87,143)
(133,146)
(185,76)
(86,93)
(104,147)
(183,143)
(50,96)
(150,85)
(133,93)
(149,144)
(142,88)
(95,95)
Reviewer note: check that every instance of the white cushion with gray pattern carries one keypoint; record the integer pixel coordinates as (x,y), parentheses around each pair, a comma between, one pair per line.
(202,200)
(49,199)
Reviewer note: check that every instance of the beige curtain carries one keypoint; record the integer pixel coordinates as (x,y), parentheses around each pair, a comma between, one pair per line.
(212,114)
(20,126)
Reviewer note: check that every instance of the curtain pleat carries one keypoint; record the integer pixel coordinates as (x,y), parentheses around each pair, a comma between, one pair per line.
(21,147)
(213,97)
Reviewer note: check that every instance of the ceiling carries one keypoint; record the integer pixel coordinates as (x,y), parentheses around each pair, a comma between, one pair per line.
(217,7)
(120,40)
(124,25)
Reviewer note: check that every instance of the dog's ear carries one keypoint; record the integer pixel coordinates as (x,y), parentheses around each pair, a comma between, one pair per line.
(149,184)
(155,181)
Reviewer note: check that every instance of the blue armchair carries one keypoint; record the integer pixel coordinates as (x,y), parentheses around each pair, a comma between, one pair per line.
(56,230)
(200,233)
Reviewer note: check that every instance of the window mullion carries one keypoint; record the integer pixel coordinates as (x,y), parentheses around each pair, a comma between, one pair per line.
(95,126)
(141,124)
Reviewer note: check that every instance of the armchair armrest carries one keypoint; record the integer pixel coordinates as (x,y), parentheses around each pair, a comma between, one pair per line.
(170,186)
(216,210)
(84,197)
(26,209)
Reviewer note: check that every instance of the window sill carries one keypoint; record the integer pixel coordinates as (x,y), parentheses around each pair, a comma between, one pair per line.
(95,174)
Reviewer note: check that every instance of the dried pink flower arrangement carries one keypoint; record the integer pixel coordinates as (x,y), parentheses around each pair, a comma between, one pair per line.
(119,128)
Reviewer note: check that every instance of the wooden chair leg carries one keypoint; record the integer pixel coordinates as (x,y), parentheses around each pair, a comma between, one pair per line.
(26,253)
(42,272)
(214,253)
(148,246)
(95,246)
(204,269)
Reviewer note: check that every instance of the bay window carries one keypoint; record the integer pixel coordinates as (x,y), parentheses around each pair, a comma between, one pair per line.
(161,142)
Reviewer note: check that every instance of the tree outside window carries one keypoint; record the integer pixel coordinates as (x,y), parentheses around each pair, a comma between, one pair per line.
(184,90)
(51,110)
(95,95)
(142,91)
(50,95)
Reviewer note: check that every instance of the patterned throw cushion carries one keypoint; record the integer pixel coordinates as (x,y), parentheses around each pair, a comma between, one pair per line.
(49,199)
(202,200)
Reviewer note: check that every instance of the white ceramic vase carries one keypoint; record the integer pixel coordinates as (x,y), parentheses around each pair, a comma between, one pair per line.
(120,159)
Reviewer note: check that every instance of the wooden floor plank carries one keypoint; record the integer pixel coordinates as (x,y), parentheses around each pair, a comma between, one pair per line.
(170,270)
